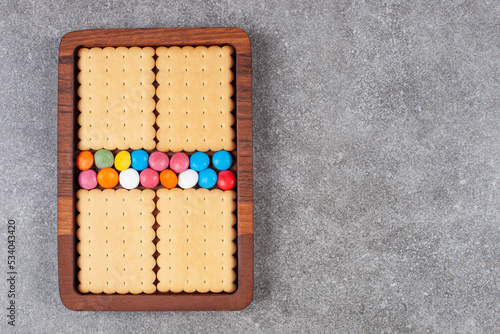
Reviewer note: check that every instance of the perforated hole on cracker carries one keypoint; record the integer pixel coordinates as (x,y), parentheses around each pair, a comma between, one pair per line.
(155,169)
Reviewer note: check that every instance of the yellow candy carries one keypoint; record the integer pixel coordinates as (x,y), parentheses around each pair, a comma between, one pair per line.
(122,160)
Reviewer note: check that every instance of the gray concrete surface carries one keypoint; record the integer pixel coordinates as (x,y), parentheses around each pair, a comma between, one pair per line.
(377,160)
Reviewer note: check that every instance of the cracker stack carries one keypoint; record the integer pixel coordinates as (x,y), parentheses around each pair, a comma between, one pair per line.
(116,98)
(116,241)
(196,240)
(195,102)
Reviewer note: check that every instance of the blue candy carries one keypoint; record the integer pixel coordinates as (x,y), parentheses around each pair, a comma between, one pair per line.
(139,159)
(207,178)
(222,160)
(199,161)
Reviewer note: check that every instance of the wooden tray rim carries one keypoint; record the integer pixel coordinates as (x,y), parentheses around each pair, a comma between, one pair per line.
(70,42)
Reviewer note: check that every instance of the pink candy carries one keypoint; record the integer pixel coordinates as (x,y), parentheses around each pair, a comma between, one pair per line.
(158,161)
(179,162)
(149,178)
(87,179)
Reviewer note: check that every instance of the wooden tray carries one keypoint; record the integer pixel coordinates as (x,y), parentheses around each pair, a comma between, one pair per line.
(67,185)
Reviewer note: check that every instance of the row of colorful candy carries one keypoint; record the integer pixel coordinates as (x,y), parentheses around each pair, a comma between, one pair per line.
(139,167)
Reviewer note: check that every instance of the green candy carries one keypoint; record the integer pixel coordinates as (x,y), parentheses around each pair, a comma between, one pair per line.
(103,159)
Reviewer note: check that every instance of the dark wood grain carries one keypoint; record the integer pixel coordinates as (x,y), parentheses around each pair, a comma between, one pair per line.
(70,296)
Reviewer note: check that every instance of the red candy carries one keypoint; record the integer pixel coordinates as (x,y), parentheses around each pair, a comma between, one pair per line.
(226,180)
(158,161)
(149,178)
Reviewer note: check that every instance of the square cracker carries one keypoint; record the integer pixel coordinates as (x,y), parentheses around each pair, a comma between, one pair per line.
(195,101)
(116,98)
(196,240)
(116,241)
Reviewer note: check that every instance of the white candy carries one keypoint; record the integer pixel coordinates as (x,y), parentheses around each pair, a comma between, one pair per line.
(188,179)
(129,178)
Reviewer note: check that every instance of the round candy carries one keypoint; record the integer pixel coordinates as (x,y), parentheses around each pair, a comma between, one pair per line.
(122,160)
(84,160)
(207,178)
(222,160)
(150,178)
(129,178)
(158,161)
(188,179)
(199,161)
(103,159)
(226,180)
(139,159)
(107,178)
(87,179)
(179,162)
(168,179)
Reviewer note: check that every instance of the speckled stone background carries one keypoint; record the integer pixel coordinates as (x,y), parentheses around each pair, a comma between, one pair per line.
(377,158)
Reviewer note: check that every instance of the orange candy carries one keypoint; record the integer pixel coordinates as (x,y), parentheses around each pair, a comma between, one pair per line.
(168,179)
(84,160)
(107,178)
